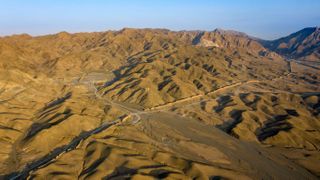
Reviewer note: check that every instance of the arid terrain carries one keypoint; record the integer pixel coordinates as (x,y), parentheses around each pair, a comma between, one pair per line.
(160,104)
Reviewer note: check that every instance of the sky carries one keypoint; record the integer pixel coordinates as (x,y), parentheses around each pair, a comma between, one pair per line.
(268,19)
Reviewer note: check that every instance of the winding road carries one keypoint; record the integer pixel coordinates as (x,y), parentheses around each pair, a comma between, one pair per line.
(133,114)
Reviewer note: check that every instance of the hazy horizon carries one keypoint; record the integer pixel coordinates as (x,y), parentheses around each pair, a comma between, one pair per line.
(267,20)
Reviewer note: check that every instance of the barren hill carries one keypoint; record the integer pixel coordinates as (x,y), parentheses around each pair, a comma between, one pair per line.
(155,103)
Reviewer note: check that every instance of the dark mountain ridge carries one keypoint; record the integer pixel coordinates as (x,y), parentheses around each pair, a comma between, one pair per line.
(302,45)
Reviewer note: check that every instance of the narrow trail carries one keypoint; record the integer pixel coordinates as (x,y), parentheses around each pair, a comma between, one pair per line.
(310,66)
(167,105)
(43,161)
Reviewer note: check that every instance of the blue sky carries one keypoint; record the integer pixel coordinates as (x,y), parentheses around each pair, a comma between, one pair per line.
(267,19)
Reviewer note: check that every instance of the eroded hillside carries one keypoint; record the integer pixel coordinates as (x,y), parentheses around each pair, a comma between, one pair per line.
(152,103)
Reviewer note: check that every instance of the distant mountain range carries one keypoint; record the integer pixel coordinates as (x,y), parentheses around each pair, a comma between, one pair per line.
(303,45)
